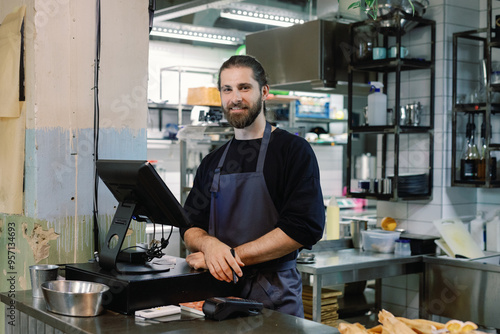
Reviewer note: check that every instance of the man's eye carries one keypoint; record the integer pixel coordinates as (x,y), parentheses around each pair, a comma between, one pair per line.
(225,90)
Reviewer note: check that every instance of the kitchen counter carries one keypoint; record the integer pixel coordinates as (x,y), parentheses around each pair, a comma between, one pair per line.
(351,265)
(463,289)
(31,316)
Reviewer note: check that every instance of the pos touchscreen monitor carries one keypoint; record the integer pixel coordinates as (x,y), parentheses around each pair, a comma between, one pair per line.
(141,193)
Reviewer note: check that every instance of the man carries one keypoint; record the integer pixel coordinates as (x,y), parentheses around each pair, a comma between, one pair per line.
(259,196)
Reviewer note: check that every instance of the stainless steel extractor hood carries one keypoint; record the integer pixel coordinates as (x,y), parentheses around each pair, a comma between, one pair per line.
(311,57)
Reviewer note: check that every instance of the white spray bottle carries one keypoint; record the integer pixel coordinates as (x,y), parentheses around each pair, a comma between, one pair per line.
(477,230)
(493,234)
(377,105)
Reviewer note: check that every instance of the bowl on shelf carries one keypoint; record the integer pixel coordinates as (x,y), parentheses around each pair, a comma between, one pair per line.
(387,10)
(75,298)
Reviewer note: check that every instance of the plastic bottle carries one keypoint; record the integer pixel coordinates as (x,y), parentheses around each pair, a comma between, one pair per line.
(332,220)
(493,234)
(377,105)
(402,247)
(477,230)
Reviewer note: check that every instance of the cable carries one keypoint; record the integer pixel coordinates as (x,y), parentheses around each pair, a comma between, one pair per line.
(95,208)
(173,320)
(151,9)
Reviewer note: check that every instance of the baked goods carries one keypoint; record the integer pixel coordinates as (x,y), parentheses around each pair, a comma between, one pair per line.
(400,325)
(352,328)
(388,224)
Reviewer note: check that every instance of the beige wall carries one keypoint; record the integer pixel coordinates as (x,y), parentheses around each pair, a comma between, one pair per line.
(56,223)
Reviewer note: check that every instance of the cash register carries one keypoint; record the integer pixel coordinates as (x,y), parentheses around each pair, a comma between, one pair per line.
(136,283)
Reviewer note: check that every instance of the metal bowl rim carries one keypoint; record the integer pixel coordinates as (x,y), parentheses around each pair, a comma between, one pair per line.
(44,266)
(45,288)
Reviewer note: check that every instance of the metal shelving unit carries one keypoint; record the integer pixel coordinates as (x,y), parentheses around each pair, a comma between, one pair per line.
(484,42)
(389,136)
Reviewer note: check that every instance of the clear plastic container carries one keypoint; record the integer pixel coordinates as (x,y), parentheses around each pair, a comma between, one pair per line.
(402,247)
(379,240)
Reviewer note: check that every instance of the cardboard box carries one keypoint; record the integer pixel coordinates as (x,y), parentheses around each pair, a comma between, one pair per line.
(203,96)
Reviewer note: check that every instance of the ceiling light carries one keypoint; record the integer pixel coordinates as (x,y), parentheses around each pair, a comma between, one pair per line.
(189,35)
(256,17)
(196,33)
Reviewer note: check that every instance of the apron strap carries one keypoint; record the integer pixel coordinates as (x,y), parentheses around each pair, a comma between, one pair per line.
(263,148)
(260,162)
(215,182)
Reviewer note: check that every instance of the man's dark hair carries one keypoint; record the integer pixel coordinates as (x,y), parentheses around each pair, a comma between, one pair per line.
(245,61)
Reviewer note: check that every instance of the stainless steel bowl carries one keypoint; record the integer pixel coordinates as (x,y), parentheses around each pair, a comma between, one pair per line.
(387,9)
(75,298)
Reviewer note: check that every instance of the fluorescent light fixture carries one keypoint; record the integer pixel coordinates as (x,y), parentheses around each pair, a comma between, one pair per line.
(200,36)
(260,17)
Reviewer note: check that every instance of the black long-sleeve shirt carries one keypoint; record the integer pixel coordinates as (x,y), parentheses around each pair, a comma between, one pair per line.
(292,178)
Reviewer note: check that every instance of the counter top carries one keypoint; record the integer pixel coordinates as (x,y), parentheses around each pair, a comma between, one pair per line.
(336,265)
(329,261)
(33,309)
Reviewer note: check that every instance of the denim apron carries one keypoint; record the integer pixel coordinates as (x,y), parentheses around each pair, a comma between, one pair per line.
(241,210)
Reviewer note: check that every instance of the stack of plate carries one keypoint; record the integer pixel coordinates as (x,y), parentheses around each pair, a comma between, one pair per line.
(410,184)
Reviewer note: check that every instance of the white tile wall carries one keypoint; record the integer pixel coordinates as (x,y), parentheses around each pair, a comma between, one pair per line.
(330,161)
(400,295)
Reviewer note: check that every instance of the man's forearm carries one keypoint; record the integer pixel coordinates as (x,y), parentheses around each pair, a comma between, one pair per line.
(270,246)
(196,238)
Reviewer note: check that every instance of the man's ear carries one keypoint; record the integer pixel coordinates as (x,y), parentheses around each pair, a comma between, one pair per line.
(265,92)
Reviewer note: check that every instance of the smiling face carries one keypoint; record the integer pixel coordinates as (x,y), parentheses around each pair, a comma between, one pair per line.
(241,96)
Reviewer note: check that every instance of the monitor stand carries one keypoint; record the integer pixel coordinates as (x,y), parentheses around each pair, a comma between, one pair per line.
(114,241)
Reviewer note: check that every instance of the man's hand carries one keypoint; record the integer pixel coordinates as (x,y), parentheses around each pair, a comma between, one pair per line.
(196,260)
(215,256)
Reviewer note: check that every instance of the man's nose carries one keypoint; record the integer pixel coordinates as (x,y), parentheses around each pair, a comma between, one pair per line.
(236,96)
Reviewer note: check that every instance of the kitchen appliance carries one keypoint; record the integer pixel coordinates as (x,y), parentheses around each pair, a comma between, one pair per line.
(321,53)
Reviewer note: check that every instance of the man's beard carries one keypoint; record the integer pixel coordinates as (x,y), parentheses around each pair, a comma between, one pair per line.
(242,120)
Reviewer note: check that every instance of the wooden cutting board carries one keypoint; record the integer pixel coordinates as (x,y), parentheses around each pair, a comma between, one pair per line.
(458,239)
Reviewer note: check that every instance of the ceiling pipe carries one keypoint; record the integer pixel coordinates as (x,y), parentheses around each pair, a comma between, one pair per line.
(190,7)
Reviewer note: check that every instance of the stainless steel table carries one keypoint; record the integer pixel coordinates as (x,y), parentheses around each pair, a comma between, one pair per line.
(30,316)
(352,265)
